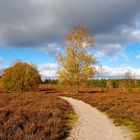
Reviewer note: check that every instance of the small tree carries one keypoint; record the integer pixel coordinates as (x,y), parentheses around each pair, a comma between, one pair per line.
(20,77)
(109,84)
(76,66)
(115,83)
(128,84)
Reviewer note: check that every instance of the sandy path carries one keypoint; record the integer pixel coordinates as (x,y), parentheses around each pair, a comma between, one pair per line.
(94,125)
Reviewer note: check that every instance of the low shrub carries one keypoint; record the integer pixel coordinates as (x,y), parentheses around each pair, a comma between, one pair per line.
(118,106)
(33,116)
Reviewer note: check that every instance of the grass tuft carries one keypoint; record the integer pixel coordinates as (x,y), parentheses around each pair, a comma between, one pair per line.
(72,118)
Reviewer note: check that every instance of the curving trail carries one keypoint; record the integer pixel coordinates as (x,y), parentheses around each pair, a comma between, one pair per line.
(94,125)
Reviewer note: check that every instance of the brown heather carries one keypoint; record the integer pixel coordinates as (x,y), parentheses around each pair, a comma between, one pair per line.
(123,108)
(43,116)
(32,117)
(118,106)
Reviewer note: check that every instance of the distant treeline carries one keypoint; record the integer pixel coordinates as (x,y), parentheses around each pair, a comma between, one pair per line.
(115,82)
(95,82)
(50,81)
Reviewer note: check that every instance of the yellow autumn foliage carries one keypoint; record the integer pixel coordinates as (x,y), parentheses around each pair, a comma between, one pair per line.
(76,66)
(129,84)
(109,84)
(20,77)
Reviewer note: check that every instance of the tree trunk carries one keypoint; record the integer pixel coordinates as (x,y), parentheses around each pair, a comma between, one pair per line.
(77,88)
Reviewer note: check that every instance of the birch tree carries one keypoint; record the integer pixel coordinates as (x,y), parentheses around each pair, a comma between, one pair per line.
(76,65)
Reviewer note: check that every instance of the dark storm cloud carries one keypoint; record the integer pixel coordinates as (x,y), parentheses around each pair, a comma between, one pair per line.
(34,22)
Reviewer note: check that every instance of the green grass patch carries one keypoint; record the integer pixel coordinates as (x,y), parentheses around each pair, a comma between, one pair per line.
(127,123)
(131,125)
(72,117)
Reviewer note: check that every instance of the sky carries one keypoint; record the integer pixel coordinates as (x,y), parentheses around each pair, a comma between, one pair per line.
(33,31)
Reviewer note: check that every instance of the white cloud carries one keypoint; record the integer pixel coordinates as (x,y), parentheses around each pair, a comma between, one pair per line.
(136,34)
(119,56)
(48,66)
(48,70)
(108,49)
(113,42)
(48,74)
(51,48)
(118,72)
(115,51)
